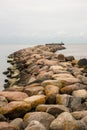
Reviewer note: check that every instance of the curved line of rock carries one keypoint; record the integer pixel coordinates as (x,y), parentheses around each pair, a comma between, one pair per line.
(27,63)
(44,90)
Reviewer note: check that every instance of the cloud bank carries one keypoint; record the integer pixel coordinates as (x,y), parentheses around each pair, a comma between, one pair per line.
(37,21)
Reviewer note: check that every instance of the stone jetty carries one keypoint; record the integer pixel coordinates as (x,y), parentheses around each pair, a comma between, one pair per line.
(44,90)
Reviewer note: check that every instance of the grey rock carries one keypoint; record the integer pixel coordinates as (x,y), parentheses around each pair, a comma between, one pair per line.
(85,120)
(75,103)
(17,123)
(82,62)
(34,90)
(63,99)
(15,109)
(70,88)
(81,125)
(78,115)
(64,121)
(13,95)
(6,126)
(83,79)
(80,93)
(57,109)
(69,58)
(51,91)
(35,125)
(42,117)
(61,57)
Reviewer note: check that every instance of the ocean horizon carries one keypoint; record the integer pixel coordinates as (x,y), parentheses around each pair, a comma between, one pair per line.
(77,50)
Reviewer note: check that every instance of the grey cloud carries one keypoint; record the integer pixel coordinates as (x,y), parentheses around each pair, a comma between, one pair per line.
(38,20)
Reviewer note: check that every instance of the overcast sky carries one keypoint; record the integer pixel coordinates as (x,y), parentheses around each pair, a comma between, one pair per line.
(42,21)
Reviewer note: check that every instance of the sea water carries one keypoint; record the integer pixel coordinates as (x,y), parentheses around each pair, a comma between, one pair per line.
(77,50)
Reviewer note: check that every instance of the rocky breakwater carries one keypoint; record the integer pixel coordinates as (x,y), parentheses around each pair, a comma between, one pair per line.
(44,91)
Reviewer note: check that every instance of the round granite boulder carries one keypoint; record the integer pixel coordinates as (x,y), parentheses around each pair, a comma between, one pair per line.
(7,126)
(82,62)
(15,109)
(42,117)
(64,121)
(35,125)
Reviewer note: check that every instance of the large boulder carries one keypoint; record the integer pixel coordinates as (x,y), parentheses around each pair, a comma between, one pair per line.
(69,58)
(79,114)
(36,100)
(66,79)
(46,62)
(7,126)
(83,79)
(15,109)
(13,96)
(17,123)
(82,62)
(34,90)
(46,107)
(83,123)
(75,103)
(64,121)
(63,99)
(80,93)
(74,62)
(65,75)
(57,109)
(76,71)
(42,117)
(35,125)
(61,57)
(70,88)
(44,74)
(51,91)
(85,120)
(52,82)
(57,69)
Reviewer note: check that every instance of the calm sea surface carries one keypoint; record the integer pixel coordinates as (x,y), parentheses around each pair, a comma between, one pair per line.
(77,50)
